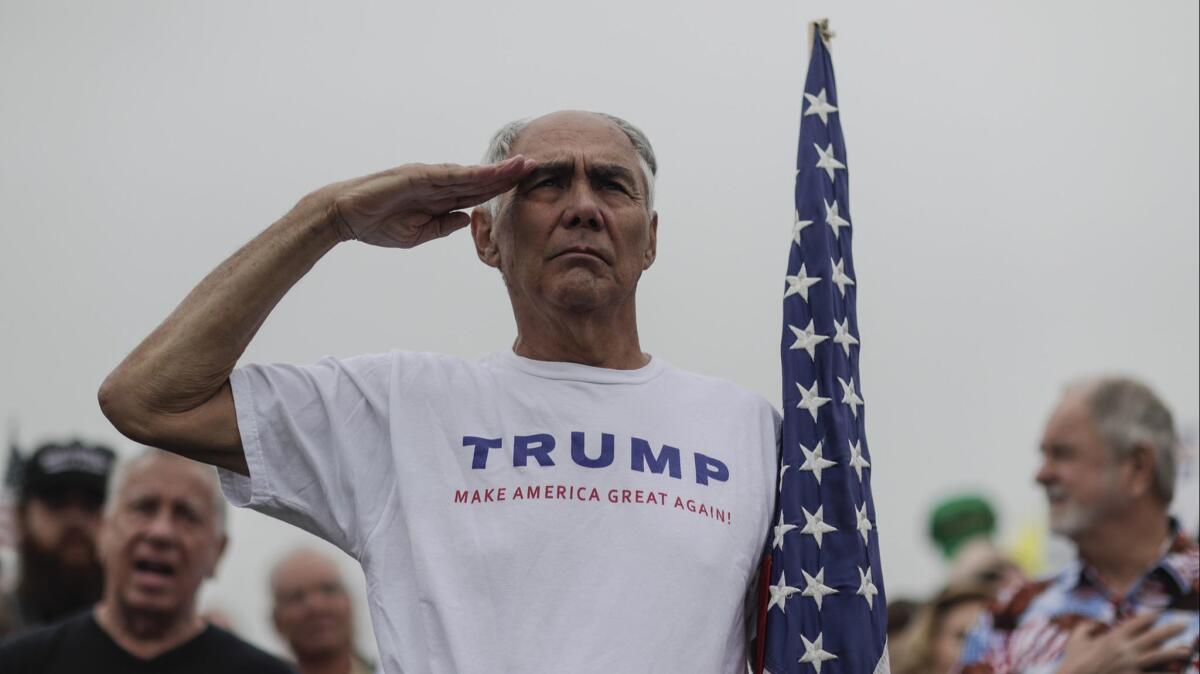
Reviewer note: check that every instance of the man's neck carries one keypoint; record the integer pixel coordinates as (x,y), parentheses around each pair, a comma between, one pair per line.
(1122,551)
(145,635)
(600,339)
(325,663)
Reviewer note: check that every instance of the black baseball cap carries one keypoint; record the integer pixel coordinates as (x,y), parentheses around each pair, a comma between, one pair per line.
(57,466)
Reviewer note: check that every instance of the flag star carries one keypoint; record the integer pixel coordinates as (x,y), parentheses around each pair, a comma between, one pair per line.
(827,161)
(780,530)
(780,594)
(815,653)
(798,226)
(864,524)
(849,396)
(814,462)
(834,219)
(810,400)
(807,339)
(800,283)
(815,526)
(866,588)
(857,462)
(815,587)
(842,335)
(839,276)
(817,105)
(783,471)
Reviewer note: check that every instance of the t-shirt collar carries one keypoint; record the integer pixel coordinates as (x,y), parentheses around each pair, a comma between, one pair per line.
(547,369)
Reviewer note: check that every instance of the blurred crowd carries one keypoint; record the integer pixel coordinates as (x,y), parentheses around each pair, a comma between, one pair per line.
(1127,600)
(110,560)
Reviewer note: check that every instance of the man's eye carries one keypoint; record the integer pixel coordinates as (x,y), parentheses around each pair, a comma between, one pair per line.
(549,182)
(613,185)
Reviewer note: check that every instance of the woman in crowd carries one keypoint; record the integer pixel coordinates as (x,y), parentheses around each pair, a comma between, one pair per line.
(932,642)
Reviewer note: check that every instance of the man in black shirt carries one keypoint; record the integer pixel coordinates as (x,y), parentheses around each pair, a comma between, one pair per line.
(162,535)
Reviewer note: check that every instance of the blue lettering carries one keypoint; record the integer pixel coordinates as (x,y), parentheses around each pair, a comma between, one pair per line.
(641,454)
(482,445)
(581,458)
(538,446)
(707,467)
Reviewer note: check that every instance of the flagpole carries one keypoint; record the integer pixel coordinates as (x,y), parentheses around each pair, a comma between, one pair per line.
(822,26)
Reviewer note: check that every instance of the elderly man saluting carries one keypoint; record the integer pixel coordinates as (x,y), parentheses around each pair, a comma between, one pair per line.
(571,504)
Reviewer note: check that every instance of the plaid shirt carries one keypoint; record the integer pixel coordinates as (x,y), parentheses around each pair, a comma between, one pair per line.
(1026,633)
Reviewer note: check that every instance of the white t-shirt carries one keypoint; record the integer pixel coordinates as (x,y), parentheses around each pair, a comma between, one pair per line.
(522,516)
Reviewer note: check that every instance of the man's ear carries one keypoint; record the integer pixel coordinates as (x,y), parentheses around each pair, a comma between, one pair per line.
(217,554)
(484,236)
(652,248)
(1141,469)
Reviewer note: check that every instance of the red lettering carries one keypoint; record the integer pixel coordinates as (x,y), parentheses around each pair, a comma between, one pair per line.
(460,495)
(475,496)
(679,503)
(562,492)
(626,495)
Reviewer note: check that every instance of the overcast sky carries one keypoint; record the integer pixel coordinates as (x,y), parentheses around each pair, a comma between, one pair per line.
(1023,189)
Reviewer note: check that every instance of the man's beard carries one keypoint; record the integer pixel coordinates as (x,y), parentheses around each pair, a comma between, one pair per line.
(1076,519)
(49,589)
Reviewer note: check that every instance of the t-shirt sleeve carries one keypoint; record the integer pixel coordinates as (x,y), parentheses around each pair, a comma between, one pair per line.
(316,444)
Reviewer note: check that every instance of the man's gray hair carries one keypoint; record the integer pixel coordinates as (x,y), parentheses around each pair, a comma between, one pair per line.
(118,478)
(1127,414)
(501,145)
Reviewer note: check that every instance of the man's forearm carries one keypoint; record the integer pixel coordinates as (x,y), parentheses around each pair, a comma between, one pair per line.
(173,390)
(187,359)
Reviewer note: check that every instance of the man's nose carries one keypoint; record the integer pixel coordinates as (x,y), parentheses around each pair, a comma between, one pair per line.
(160,527)
(1044,475)
(583,208)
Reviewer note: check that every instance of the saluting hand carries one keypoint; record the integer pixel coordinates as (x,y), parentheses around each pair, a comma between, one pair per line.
(411,204)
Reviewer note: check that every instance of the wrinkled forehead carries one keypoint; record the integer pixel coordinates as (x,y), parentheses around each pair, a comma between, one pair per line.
(575,136)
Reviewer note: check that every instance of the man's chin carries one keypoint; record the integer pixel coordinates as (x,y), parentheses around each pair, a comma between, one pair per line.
(580,291)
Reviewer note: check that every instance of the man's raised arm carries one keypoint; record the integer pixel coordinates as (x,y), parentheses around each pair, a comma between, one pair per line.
(173,390)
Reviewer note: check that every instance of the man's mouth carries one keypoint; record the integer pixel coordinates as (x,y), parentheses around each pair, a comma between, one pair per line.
(1056,496)
(153,569)
(581,250)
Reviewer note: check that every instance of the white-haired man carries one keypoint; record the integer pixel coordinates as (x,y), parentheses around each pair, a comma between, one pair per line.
(163,533)
(567,505)
(1129,604)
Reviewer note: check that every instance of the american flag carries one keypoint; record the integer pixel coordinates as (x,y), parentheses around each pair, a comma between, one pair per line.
(825,607)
